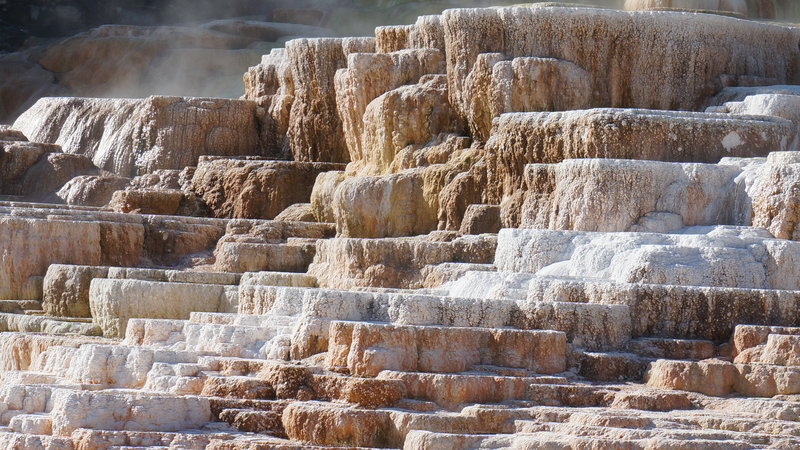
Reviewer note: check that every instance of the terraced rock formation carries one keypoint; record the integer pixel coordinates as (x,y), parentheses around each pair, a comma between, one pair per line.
(542,226)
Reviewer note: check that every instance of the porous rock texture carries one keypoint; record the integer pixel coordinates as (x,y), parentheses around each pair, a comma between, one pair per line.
(37,171)
(131,137)
(31,244)
(463,233)
(649,72)
(521,138)
(255,189)
(91,190)
(347,262)
(661,196)
(370,75)
(315,130)
(488,76)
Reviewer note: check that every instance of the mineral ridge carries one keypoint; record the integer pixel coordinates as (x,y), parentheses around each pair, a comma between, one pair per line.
(542,226)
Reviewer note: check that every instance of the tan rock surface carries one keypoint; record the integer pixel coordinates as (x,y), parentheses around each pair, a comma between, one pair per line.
(256,189)
(749,336)
(269,246)
(368,349)
(315,131)
(433,195)
(114,302)
(779,350)
(87,190)
(524,84)
(249,333)
(344,263)
(165,179)
(719,378)
(31,245)
(465,189)
(322,195)
(426,114)
(426,32)
(298,212)
(271,85)
(479,219)
(369,76)
(18,155)
(66,289)
(51,172)
(658,78)
(131,137)
(665,136)
(357,427)
(712,377)
(383,206)
(775,203)
(148,201)
(20,349)
(35,170)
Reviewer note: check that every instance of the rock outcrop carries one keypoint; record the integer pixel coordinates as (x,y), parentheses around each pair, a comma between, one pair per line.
(133,137)
(270,84)
(428,115)
(369,76)
(523,138)
(114,302)
(345,263)
(255,189)
(468,232)
(662,197)
(88,190)
(31,244)
(38,171)
(649,72)
(315,130)
(774,199)
(761,261)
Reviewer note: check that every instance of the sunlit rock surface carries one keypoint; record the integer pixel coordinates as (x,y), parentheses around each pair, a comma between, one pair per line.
(538,227)
(134,137)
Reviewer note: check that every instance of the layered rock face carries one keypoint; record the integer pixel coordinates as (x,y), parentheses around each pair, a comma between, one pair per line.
(621,133)
(315,130)
(370,75)
(237,188)
(660,196)
(488,77)
(538,227)
(134,137)
(649,72)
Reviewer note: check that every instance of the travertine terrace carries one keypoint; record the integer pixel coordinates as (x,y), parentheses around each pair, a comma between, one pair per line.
(541,226)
